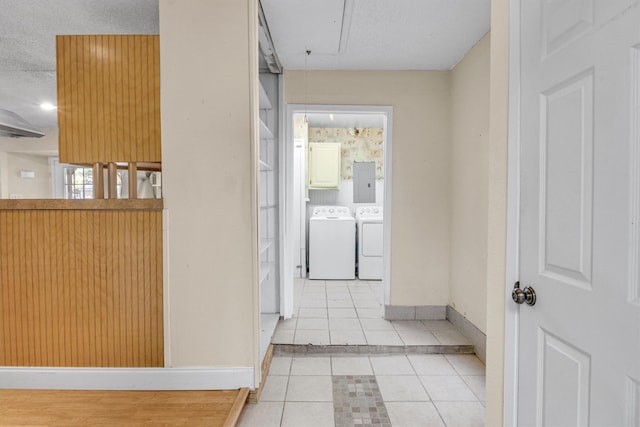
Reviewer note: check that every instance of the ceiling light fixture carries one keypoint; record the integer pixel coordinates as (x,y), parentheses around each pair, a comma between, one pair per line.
(47,106)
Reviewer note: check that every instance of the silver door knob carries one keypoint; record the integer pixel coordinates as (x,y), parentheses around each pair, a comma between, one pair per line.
(526,295)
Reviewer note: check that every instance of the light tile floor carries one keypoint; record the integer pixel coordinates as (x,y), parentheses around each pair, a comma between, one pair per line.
(417,390)
(349,312)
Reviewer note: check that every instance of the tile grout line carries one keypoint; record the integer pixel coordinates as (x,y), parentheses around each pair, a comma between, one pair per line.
(286,390)
(419,380)
(438,412)
(366,340)
(472,390)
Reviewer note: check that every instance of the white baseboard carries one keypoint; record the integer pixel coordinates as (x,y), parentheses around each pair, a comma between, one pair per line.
(126,378)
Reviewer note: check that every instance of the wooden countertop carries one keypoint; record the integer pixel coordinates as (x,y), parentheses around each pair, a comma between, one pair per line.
(100,204)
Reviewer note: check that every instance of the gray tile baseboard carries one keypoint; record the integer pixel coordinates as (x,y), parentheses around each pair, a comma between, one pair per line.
(469,330)
(415,312)
(441,312)
(295,349)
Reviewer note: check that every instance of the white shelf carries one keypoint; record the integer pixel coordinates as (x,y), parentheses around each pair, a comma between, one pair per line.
(265,269)
(264,166)
(268,206)
(265,243)
(265,133)
(265,103)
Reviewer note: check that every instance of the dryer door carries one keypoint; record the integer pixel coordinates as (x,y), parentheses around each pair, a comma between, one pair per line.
(371,239)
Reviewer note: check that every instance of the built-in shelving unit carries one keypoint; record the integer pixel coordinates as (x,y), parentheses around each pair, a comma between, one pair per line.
(268,212)
(265,132)
(265,102)
(265,166)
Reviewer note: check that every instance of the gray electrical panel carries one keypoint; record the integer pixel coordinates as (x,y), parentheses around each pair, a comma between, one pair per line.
(364,182)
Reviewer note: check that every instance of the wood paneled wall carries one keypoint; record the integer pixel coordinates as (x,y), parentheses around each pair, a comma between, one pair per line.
(108,98)
(81,288)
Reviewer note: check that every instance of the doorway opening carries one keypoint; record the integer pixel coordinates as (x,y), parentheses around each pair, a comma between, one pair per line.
(336,215)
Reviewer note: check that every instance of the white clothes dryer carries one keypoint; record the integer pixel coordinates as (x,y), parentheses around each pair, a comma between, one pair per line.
(332,243)
(370,243)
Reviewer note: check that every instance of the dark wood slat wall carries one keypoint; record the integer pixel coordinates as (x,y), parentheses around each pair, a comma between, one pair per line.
(108,98)
(81,288)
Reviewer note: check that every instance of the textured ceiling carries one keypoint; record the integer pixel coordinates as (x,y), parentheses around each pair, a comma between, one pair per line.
(342,34)
(375,34)
(27,44)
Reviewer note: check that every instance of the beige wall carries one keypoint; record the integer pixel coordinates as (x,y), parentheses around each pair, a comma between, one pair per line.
(211,300)
(207,140)
(38,187)
(496,220)
(421,180)
(421,118)
(469,190)
(27,154)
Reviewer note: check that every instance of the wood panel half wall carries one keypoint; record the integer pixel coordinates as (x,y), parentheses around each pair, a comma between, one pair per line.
(81,288)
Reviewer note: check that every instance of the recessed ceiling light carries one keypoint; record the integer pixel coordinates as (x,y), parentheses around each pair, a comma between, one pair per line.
(47,106)
(331,117)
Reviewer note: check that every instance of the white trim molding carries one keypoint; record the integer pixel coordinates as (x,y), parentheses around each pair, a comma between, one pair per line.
(254,153)
(634,250)
(126,378)
(512,311)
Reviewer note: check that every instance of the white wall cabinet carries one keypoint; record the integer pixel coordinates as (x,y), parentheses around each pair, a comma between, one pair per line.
(324,165)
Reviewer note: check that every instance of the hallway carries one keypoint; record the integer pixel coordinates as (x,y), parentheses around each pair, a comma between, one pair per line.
(339,363)
(383,390)
(350,312)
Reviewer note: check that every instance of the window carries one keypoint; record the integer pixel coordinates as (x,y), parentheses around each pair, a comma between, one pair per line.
(78,183)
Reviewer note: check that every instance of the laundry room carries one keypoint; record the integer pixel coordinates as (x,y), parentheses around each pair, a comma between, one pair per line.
(339,169)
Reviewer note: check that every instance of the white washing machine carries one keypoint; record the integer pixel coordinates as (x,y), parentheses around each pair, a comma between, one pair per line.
(370,243)
(332,243)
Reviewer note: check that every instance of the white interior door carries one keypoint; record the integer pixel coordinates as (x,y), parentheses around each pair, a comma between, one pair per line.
(579,345)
